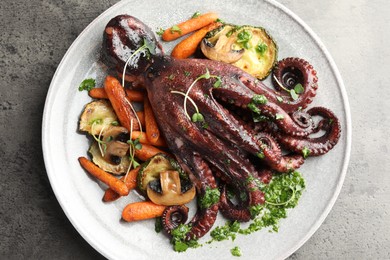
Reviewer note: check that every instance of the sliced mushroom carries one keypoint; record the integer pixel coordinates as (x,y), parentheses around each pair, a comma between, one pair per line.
(115,146)
(171,191)
(222,50)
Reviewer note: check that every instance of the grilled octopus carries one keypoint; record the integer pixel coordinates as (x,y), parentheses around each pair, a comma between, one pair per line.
(247,127)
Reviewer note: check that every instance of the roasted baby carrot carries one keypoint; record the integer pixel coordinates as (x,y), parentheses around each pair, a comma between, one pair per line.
(142,210)
(141,117)
(141,136)
(135,95)
(98,93)
(151,127)
(115,184)
(146,152)
(188,46)
(130,181)
(132,95)
(122,107)
(188,26)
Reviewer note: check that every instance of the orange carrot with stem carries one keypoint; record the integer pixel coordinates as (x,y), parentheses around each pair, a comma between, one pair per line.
(151,127)
(130,181)
(188,26)
(188,46)
(122,107)
(142,210)
(115,184)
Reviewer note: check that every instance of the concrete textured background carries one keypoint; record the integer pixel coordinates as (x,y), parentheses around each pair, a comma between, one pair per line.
(36,34)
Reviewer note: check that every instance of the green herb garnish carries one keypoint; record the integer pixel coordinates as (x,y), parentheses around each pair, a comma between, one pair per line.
(259,99)
(158,225)
(160,31)
(305,152)
(261,48)
(254,108)
(225,232)
(279,116)
(210,197)
(236,251)
(196,14)
(299,88)
(179,239)
(282,193)
(87,84)
(243,38)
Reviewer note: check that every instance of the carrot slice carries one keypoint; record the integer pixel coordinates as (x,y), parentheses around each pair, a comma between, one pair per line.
(122,107)
(142,210)
(151,127)
(130,181)
(146,152)
(188,26)
(188,46)
(115,184)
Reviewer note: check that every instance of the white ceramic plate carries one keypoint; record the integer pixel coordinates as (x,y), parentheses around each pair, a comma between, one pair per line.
(80,196)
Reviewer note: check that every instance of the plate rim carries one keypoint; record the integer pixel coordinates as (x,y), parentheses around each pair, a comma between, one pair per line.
(348,129)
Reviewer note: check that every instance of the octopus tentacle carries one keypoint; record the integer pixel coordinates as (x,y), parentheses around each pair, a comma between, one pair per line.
(318,145)
(272,155)
(173,216)
(292,71)
(238,212)
(271,110)
(205,217)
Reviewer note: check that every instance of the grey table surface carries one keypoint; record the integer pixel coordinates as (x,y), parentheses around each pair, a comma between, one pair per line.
(36,34)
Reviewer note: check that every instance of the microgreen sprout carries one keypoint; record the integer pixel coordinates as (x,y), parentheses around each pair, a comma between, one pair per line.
(197,116)
(294,92)
(102,145)
(133,145)
(147,48)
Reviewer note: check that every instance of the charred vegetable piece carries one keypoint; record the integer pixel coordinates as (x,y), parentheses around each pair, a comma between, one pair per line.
(171,192)
(222,50)
(99,160)
(247,47)
(96,116)
(151,169)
